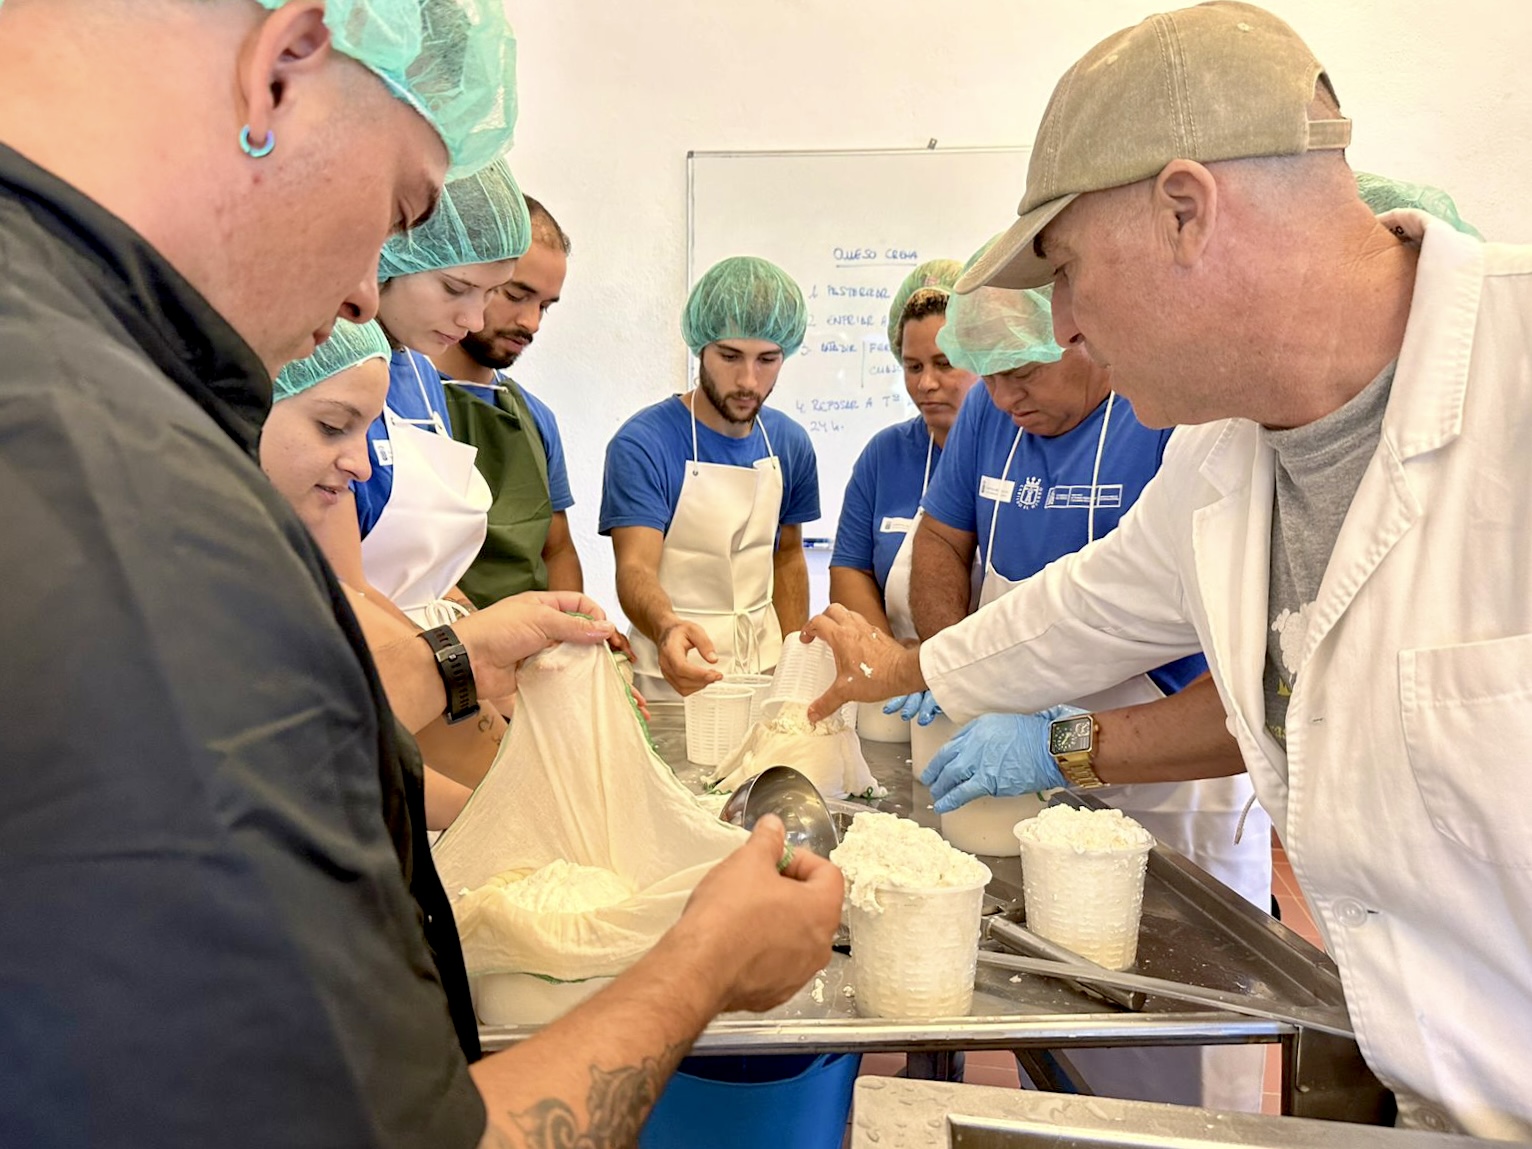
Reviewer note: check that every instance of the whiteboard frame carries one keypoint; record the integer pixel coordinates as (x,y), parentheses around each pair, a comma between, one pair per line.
(694,154)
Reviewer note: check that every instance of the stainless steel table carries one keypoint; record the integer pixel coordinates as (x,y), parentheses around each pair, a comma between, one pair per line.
(1194,930)
(892,1114)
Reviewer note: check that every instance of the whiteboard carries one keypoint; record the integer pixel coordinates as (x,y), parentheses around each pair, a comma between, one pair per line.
(848,226)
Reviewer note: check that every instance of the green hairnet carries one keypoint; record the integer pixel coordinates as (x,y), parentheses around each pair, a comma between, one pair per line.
(995,329)
(933,274)
(453,61)
(1382,194)
(744,297)
(482,218)
(348,345)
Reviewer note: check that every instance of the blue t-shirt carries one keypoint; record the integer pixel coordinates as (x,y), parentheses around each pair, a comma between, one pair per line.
(1044,499)
(414,392)
(882,496)
(553,444)
(646,464)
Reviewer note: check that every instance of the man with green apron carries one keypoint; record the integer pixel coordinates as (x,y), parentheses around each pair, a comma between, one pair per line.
(521,455)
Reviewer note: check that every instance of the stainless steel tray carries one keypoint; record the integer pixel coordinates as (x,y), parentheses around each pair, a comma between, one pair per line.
(1195,930)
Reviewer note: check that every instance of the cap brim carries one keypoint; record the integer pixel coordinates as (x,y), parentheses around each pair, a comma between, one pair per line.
(1011,261)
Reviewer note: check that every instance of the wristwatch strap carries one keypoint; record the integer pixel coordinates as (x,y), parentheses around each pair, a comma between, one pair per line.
(1079,766)
(457,675)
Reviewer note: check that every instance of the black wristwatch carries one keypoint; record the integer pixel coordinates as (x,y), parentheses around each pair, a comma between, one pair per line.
(457,675)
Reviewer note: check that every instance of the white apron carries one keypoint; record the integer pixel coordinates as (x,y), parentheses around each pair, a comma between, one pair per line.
(896,591)
(434,522)
(718,565)
(1129,693)
(1199,820)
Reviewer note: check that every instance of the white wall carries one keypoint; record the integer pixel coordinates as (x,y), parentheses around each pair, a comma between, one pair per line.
(614,94)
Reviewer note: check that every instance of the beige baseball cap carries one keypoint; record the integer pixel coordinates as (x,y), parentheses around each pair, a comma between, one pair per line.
(1220,81)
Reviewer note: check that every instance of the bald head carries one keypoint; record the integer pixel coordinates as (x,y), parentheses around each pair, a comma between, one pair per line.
(280,245)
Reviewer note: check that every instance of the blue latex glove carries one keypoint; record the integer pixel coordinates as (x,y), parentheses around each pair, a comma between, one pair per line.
(922,707)
(997,754)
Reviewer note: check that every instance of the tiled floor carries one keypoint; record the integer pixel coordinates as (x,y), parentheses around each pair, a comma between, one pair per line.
(997,1067)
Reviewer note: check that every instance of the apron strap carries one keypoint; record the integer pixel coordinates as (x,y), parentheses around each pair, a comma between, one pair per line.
(1095,474)
(745,657)
(761,423)
(442,612)
(925,480)
(994,514)
(436,421)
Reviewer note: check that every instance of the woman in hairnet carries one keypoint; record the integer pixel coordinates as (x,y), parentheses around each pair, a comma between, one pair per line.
(313,447)
(870,569)
(423,514)
(705,494)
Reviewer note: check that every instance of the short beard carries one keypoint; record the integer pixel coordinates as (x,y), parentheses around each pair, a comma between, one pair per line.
(716,398)
(478,349)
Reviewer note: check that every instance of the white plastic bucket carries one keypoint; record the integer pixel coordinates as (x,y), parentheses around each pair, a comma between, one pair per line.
(925,741)
(717,720)
(988,825)
(1087,901)
(804,672)
(757,684)
(916,958)
(875,726)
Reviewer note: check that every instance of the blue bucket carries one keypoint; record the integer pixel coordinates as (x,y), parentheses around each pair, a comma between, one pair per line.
(754,1103)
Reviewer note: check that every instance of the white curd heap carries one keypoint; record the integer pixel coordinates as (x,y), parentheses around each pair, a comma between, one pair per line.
(562,887)
(889,852)
(1084,831)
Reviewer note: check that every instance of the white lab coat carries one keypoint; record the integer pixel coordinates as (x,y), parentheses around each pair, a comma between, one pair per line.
(1403,796)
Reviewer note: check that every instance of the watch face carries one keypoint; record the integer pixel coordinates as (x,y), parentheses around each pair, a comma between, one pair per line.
(1068,735)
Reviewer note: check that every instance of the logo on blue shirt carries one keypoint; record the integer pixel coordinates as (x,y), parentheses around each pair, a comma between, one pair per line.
(1029,493)
(1077,497)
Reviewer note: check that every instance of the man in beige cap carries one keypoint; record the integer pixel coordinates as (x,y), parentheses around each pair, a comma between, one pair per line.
(1344,533)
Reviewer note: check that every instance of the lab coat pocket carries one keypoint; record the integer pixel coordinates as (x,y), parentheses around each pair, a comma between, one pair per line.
(1467,714)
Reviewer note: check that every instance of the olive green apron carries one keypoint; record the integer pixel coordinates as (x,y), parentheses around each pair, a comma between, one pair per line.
(514,463)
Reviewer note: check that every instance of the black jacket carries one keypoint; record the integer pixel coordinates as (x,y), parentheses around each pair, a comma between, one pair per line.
(219,921)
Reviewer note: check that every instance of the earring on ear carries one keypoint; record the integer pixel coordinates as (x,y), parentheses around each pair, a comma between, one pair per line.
(251,150)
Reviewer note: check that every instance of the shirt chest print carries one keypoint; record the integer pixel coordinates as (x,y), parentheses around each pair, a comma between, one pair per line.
(1291,628)
(1030,493)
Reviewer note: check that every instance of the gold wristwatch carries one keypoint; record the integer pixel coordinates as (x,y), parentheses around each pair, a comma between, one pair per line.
(1072,742)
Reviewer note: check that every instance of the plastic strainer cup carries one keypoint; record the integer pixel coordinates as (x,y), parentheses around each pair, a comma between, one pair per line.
(717,720)
(757,684)
(804,672)
(925,741)
(917,957)
(1087,901)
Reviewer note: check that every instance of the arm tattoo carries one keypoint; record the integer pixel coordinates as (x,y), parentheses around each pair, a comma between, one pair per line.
(616,1107)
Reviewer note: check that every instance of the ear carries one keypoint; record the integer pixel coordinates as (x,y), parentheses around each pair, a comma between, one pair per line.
(1185,209)
(286,45)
